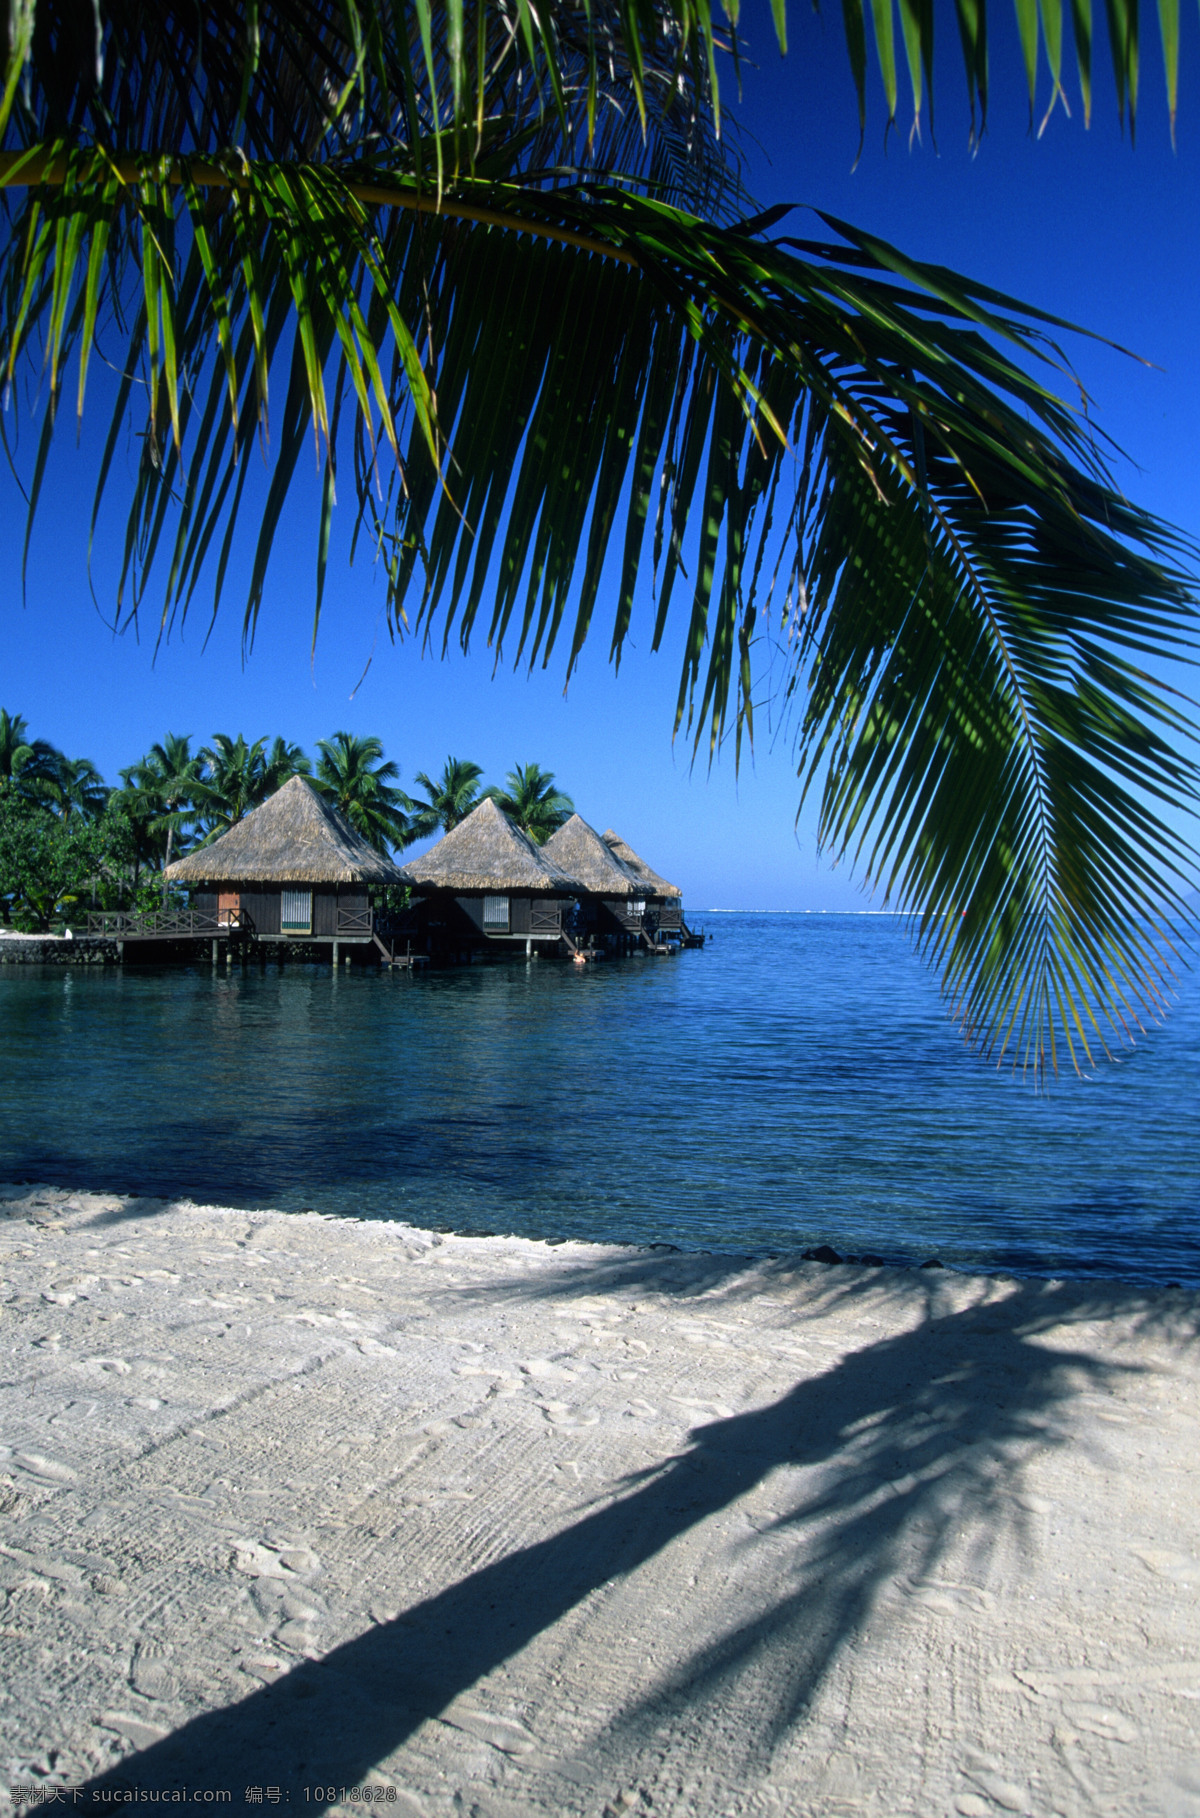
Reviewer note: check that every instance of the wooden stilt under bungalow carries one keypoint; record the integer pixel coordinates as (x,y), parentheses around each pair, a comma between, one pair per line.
(487,886)
(612,913)
(292,874)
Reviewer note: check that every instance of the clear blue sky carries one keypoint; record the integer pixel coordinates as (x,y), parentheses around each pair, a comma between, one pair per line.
(1077,222)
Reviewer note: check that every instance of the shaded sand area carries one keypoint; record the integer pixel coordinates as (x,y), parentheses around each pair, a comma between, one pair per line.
(504,1528)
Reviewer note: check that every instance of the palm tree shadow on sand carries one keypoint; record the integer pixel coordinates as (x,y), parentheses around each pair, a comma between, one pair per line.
(908,1443)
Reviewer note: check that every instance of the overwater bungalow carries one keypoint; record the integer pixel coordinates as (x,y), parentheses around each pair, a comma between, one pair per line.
(487,885)
(292,871)
(612,910)
(663,902)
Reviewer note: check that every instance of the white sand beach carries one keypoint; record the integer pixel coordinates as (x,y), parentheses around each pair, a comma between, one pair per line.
(310,1510)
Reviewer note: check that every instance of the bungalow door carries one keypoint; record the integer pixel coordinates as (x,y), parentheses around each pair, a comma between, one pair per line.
(229,907)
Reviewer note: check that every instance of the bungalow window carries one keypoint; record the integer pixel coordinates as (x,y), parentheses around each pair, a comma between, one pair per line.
(638,908)
(495,914)
(295,911)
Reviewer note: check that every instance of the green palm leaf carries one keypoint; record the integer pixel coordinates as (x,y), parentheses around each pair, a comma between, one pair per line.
(855,471)
(449,798)
(532,802)
(354,775)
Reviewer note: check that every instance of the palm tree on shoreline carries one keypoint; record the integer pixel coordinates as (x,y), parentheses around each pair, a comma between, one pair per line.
(971,606)
(448,799)
(282,761)
(234,782)
(238,777)
(169,781)
(532,802)
(24,762)
(353,774)
(74,788)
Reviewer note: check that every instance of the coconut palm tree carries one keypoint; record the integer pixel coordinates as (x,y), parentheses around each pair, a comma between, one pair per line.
(235,780)
(448,800)
(445,231)
(353,774)
(24,762)
(141,810)
(236,777)
(282,761)
(74,789)
(532,802)
(171,791)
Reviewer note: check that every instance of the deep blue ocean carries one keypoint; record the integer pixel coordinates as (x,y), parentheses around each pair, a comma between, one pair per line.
(795,1083)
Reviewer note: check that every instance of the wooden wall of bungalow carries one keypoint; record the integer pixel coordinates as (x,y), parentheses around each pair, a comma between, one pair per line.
(318,911)
(496,916)
(631,915)
(612,915)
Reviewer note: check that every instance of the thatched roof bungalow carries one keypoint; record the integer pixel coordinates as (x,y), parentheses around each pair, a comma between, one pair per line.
(663,905)
(651,882)
(487,882)
(293,867)
(614,902)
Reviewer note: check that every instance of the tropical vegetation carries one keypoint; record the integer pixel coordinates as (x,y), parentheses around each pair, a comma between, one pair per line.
(162,792)
(24,762)
(69,843)
(53,865)
(448,799)
(325,201)
(533,802)
(353,774)
(239,776)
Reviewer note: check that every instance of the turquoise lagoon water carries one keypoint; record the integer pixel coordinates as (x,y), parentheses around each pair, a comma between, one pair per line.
(795,1083)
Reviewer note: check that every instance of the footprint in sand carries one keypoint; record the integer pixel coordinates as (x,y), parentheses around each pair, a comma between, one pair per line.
(988,1775)
(1166,1564)
(50,1470)
(299,1559)
(707,1410)
(503,1733)
(299,1637)
(151,1674)
(134,1729)
(561,1414)
(1099,1720)
(951,1599)
(257,1560)
(543,1369)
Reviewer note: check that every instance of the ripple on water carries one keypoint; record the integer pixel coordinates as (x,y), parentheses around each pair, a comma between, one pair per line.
(795,1083)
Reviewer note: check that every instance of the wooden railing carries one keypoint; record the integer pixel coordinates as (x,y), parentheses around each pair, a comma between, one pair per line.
(165,924)
(545,918)
(354,921)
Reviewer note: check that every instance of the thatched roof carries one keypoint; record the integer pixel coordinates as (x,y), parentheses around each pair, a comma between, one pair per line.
(486,852)
(650,881)
(580,850)
(294,838)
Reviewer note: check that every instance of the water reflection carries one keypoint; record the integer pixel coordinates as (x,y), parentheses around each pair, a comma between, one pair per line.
(794,1084)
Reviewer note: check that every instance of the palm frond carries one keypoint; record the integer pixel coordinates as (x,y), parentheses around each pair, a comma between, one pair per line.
(302,78)
(813,446)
